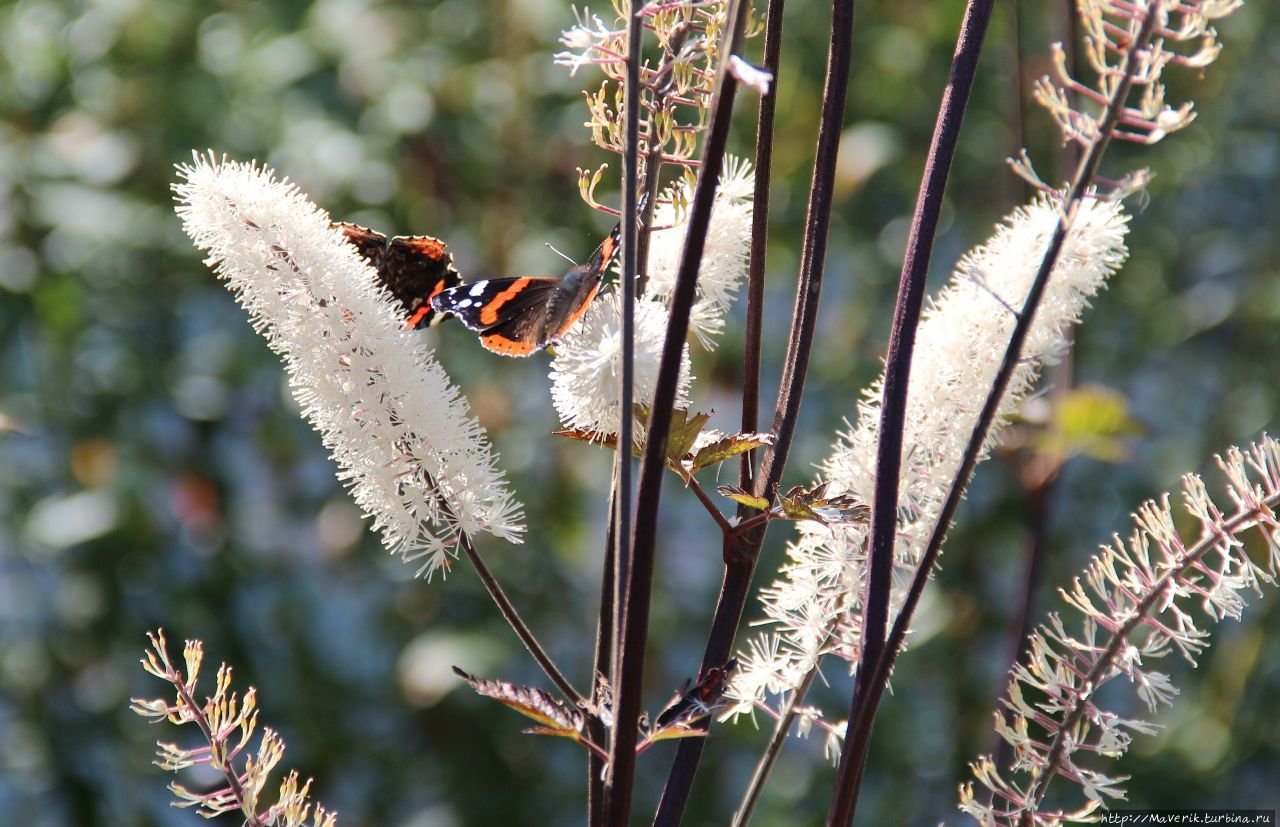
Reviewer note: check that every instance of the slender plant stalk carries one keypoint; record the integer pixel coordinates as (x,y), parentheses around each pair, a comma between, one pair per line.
(860,725)
(619,559)
(652,175)
(509,613)
(634,601)
(630,175)
(906,319)
(786,717)
(740,562)
(709,504)
(600,666)
(517,623)
(760,236)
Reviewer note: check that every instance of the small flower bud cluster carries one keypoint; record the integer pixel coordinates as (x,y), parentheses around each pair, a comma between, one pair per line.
(1139,600)
(676,91)
(227,722)
(1182,35)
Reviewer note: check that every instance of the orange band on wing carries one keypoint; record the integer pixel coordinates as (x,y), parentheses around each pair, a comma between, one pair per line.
(577,314)
(421,313)
(608,248)
(506,346)
(489,313)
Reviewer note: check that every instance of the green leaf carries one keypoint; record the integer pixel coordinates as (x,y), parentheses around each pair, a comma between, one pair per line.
(736,494)
(1092,421)
(684,430)
(727,447)
(795,508)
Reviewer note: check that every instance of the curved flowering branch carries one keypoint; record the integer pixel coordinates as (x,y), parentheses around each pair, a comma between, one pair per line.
(1138,600)
(677,90)
(1180,34)
(400,431)
(227,723)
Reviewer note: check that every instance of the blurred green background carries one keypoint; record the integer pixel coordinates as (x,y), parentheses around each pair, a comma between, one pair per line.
(153,471)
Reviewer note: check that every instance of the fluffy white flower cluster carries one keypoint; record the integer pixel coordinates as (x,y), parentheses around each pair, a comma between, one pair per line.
(401,433)
(727,251)
(960,344)
(588,364)
(584,374)
(589,42)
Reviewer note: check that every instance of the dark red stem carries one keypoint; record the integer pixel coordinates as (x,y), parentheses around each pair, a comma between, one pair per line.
(906,319)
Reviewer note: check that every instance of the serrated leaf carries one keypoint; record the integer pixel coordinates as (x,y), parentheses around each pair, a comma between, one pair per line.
(609,441)
(813,504)
(728,447)
(843,509)
(684,430)
(670,733)
(556,717)
(795,508)
(736,494)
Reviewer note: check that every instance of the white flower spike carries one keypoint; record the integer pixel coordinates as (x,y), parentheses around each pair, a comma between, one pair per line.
(959,347)
(584,374)
(406,445)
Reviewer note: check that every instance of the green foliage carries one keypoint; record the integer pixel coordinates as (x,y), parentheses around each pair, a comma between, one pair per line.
(154,473)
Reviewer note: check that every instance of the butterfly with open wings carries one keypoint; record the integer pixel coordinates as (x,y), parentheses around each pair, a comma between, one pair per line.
(514,316)
(518,316)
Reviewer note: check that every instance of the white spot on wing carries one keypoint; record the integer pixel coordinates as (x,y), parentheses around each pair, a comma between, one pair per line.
(478,288)
(464,304)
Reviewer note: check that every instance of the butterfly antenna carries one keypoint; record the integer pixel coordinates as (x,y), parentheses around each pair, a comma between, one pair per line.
(562,255)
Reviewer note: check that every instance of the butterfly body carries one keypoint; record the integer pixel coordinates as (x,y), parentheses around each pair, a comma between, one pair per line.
(411,268)
(521,315)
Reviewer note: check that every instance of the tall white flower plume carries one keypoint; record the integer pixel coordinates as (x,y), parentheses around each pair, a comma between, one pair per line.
(727,251)
(960,344)
(406,445)
(584,374)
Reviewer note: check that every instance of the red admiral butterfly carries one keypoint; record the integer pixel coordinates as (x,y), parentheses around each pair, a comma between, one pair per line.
(413,268)
(517,316)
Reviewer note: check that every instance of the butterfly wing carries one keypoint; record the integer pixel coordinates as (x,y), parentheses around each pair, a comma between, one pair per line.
(579,286)
(419,267)
(411,268)
(370,244)
(607,251)
(509,314)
